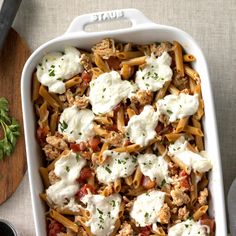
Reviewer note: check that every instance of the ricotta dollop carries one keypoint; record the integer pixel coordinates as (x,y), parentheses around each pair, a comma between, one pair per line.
(67,168)
(76,125)
(155,74)
(146,208)
(108,90)
(141,128)
(196,161)
(153,166)
(188,228)
(178,106)
(117,165)
(57,67)
(104,213)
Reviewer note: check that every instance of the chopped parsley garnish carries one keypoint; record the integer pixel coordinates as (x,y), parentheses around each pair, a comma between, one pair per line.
(108,170)
(146,215)
(169,112)
(67,168)
(113,203)
(99,211)
(59,79)
(63,126)
(52,73)
(77,157)
(52,66)
(163,182)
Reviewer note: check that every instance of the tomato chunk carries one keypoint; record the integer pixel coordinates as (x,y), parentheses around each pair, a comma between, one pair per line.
(85,173)
(93,143)
(42,134)
(83,191)
(185,181)
(86,77)
(206,220)
(145,231)
(147,183)
(77,147)
(54,228)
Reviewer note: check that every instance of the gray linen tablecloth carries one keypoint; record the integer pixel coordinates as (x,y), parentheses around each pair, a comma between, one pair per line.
(211,23)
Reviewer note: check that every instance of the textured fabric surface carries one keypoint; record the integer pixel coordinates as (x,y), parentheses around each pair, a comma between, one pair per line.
(211,23)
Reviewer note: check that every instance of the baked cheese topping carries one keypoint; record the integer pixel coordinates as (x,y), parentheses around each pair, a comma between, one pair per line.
(76,125)
(117,165)
(67,168)
(141,128)
(108,90)
(104,213)
(56,67)
(155,74)
(178,106)
(196,161)
(188,228)
(146,207)
(153,166)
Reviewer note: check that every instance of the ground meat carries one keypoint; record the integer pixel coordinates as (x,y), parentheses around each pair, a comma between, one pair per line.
(180,82)
(81,102)
(202,199)
(57,142)
(114,138)
(126,230)
(179,197)
(69,97)
(143,97)
(183,213)
(157,50)
(86,62)
(164,214)
(105,49)
(51,152)
(52,177)
(173,168)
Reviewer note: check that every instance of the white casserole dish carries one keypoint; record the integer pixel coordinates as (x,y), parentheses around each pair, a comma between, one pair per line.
(142,31)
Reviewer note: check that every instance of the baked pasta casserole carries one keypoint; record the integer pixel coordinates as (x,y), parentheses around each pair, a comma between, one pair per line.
(120,127)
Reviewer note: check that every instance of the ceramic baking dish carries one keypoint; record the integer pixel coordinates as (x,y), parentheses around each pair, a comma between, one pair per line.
(142,31)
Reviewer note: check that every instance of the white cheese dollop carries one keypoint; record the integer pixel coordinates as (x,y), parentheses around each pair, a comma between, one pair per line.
(153,166)
(104,213)
(56,67)
(188,228)
(117,165)
(178,106)
(195,161)
(108,90)
(155,74)
(76,125)
(146,208)
(141,128)
(67,168)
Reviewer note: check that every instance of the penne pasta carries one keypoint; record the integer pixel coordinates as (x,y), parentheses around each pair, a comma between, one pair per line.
(135,61)
(189,58)
(200,212)
(129,54)
(64,221)
(137,178)
(178,58)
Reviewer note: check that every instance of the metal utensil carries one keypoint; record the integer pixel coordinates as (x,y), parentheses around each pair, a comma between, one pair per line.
(231,200)
(7,16)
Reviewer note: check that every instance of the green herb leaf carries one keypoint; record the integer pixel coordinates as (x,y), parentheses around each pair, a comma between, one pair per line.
(63,126)
(108,170)
(11,130)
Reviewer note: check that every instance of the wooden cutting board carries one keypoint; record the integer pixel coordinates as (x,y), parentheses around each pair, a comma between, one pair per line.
(12,59)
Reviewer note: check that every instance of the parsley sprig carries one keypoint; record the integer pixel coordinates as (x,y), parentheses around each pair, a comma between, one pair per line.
(11,130)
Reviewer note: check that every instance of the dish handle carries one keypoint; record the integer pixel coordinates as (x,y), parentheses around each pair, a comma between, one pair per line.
(135,16)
